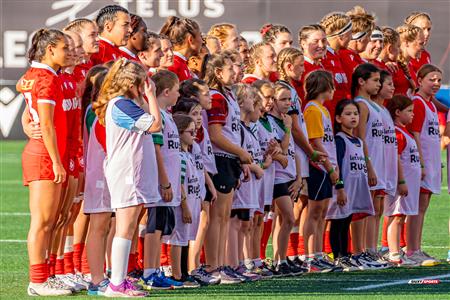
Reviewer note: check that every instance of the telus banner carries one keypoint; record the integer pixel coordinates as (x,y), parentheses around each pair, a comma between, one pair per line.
(20,18)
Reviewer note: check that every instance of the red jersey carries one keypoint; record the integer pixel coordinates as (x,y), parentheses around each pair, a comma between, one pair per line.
(332,63)
(82,69)
(41,84)
(250,78)
(107,51)
(180,67)
(423,59)
(274,77)
(380,65)
(309,67)
(419,114)
(350,59)
(72,106)
(401,81)
(128,54)
(401,139)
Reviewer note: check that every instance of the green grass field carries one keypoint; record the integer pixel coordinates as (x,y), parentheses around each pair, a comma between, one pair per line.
(387,284)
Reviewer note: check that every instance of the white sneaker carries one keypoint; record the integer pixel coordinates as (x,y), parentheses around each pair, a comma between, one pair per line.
(69,282)
(406,262)
(58,282)
(375,257)
(428,260)
(47,289)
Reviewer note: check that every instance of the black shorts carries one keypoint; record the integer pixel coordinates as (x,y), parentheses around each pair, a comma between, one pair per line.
(208,196)
(228,172)
(241,214)
(319,184)
(161,218)
(282,189)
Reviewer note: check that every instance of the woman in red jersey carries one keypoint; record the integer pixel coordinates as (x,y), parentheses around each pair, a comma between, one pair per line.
(186,39)
(138,39)
(262,63)
(423,21)
(227,34)
(312,39)
(338,28)
(362,25)
(43,158)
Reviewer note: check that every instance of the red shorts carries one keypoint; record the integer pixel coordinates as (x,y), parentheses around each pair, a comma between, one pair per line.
(380,193)
(359,216)
(425,191)
(73,166)
(37,164)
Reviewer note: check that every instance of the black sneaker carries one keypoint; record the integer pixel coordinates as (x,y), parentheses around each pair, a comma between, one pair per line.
(327,262)
(284,269)
(295,268)
(315,266)
(346,264)
(136,273)
(273,269)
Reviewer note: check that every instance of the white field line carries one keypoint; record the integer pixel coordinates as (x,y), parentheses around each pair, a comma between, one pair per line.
(14,213)
(397,282)
(13,241)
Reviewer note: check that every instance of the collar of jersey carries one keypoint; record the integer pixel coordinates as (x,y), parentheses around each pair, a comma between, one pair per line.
(180,55)
(309,60)
(106,41)
(38,65)
(127,51)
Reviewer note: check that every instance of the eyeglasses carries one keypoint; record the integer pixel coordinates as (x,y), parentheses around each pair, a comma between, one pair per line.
(191,132)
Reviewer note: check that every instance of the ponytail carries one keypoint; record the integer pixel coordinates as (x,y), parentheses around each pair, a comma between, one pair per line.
(177,29)
(41,40)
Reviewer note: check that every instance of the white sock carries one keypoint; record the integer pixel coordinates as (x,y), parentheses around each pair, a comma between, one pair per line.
(294,229)
(292,257)
(148,272)
(248,262)
(258,263)
(302,257)
(68,246)
(142,230)
(120,251)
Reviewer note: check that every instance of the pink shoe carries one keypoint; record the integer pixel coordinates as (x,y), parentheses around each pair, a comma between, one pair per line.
(125,290)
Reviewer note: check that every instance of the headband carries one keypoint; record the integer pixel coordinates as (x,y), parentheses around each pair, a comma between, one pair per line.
(359,35)
(376,35)
(345,29)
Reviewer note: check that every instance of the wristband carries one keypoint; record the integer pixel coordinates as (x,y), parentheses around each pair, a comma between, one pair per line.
(331,171)
(339,184)
(262,166)
(165,187)
(401,182)
(422,166)
(367,158)
(314,156)
(287,130)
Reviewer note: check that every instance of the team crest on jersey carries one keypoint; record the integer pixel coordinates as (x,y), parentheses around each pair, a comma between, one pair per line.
(332,62)
(26,85)
(71,85)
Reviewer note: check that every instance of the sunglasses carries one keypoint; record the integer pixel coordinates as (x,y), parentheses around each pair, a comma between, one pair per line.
(192,132)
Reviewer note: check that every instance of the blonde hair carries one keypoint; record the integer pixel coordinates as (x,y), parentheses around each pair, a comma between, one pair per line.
(416,16)
(243,91)
(407,33)
(255,53)
(220,31)
(334,22)
(286,55)
(305,32)
(122,74)
(78,24)
(361,20)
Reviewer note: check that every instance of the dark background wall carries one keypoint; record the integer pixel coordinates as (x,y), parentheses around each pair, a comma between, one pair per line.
(19,18)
